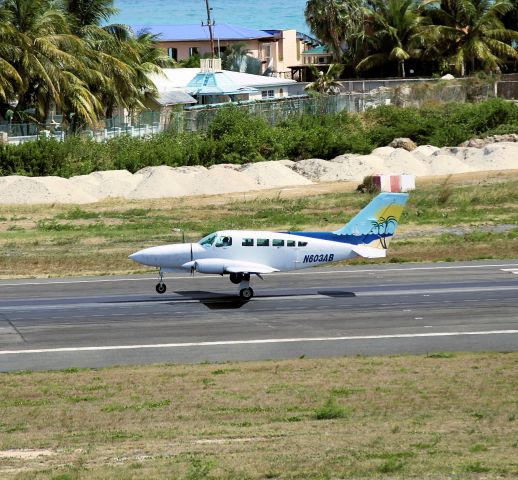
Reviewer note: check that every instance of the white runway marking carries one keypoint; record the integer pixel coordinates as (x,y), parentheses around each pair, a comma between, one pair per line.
(255,342)
(309,272)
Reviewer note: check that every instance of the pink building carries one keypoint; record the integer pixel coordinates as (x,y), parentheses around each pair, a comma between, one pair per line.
(277,50)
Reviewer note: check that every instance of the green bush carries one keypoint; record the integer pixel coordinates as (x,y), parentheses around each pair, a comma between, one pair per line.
(237,136)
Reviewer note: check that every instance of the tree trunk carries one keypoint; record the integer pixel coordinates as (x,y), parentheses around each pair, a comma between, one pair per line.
(402,69)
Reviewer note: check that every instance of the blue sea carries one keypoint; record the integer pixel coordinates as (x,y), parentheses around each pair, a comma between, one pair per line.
(259,14)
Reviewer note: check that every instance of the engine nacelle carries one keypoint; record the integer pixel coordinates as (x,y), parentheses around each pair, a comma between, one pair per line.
(214,266)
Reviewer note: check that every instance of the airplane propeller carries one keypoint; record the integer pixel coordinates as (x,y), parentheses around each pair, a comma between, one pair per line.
(194,265)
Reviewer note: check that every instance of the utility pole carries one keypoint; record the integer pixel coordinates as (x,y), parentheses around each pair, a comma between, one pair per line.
(210,25)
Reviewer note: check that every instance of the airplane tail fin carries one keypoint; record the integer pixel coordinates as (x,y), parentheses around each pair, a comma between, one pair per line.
(376,224)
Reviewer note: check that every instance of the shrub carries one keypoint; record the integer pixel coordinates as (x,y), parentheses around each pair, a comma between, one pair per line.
(236,135)
(331,409)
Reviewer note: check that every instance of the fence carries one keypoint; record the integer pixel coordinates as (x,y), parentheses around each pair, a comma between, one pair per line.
(357,96)
(141,125)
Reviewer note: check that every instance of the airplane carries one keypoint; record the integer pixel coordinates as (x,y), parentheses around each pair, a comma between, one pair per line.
(242,253)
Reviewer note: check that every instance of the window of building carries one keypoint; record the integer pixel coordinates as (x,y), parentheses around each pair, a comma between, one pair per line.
(271,94)
(267,50)
(219,50)
(247,242)
(290,243)
(224,241)
(193,51)
(281,93)
(172,53)
(263,242)
(264,94)
(303,244)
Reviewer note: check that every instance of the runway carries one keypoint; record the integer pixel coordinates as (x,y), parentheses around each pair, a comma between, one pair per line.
(348,310)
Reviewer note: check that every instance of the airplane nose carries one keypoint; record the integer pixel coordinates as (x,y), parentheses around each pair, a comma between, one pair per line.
(162,256)
(136,257)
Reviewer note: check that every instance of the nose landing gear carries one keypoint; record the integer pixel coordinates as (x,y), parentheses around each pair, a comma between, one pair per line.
(160,286)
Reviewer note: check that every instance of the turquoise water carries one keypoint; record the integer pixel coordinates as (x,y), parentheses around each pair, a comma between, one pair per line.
(260,14)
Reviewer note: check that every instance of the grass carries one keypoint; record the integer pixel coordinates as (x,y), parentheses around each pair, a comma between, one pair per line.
(446,219)
(396,417)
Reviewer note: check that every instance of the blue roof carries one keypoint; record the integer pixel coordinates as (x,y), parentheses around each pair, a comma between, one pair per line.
(221,31)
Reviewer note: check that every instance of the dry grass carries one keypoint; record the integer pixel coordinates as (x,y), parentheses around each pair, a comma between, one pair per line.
(440,416)
(60,240)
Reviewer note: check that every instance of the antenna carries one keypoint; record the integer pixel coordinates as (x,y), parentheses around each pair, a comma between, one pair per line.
(210,24)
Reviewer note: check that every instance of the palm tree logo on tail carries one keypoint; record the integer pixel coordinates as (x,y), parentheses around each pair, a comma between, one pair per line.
(381,227)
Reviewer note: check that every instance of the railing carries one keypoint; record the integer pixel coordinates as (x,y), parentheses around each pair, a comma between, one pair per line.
(357,96)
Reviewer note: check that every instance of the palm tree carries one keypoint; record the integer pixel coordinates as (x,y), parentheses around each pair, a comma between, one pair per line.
(89,12)
(394,33)
(472,33)
(10,80)
(326,82)
(46,57)
(334,22)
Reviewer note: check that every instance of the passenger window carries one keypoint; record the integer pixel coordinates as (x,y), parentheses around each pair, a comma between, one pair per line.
(224,242)
(303,244)
(277,243)
(263,242)
(290,243)
(248,242)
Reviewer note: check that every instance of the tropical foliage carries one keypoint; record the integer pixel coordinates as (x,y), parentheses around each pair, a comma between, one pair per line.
(326,82)
(462,35)
(238,136)
(59,54)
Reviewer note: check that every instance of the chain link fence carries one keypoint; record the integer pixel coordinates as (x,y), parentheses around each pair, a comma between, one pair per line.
(356,96)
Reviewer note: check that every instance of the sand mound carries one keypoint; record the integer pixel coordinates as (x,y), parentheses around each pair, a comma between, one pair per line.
(29,190)
(163,181)
(273,174)
(383,151)
(219,179)
(403,161)
(110,183)
(319,170)
(159,182)
(441,164)
(424,151)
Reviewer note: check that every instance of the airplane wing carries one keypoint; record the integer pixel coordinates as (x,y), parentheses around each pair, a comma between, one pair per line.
(220,266)
(369,252)
(249,267)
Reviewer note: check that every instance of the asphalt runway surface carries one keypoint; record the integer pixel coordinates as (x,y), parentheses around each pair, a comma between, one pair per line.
(347,310)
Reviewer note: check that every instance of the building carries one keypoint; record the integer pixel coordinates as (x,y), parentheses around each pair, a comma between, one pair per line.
(210,84)
(277,50)
(193,88)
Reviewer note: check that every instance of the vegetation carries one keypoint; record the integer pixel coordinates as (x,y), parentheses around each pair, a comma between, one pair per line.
(459,218)
(236,136)
(437,416)
(60,54)
(462,35)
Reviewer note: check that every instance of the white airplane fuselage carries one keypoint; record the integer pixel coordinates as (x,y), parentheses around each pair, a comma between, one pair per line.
(280,251)
(242,253)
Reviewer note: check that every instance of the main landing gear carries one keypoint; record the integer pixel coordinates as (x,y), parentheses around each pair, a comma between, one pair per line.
(245,290)
(160,286)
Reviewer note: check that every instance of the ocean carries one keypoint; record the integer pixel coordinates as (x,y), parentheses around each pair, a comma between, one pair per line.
(262,14)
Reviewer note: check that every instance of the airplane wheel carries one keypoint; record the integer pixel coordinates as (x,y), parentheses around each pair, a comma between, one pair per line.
(246,293)
(236,278)
(160,288)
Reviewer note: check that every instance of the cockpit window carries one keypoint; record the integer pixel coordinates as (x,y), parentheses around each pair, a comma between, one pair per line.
(208,240)
(224,241)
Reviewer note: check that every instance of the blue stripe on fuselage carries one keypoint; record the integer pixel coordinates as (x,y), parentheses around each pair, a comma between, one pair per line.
(333,237)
